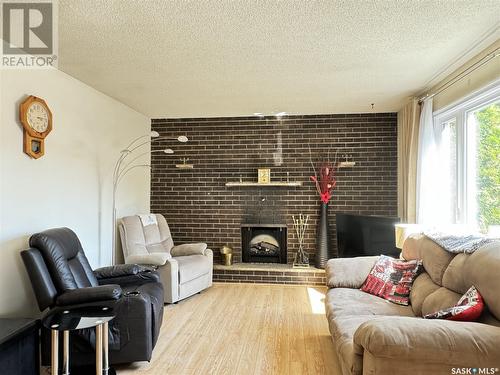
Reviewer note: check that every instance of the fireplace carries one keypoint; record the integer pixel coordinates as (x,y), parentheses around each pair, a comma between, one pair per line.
(264,243)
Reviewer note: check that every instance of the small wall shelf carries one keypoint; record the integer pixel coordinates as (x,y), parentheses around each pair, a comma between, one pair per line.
(346,164)
(270,184)
(184,166)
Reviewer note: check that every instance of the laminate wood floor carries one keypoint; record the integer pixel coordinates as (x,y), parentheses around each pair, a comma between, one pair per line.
(239,329)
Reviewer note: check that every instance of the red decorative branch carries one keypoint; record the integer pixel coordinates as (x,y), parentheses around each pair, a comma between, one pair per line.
(326,181)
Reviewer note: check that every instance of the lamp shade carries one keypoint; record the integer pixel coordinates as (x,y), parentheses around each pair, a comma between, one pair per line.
(405,230)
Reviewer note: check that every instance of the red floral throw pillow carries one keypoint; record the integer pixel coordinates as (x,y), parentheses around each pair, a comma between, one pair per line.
(467,309)
(392,279)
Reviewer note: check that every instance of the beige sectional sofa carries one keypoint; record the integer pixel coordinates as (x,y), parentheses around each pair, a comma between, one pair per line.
(374,336)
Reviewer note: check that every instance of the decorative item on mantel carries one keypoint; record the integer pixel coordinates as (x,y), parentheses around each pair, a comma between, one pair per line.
(184,164)
(264,179)
(301,259)
(325,183)
(264,175)
(227,255)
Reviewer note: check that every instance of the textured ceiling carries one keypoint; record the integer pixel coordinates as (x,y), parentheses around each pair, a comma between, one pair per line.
(222,58)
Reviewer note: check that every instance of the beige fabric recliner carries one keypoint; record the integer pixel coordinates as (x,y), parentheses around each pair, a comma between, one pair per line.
(184,269)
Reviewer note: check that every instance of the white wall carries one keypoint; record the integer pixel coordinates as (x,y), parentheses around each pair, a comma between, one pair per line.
(69,186)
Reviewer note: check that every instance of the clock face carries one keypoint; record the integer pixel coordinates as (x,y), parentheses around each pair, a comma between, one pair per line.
(38,117)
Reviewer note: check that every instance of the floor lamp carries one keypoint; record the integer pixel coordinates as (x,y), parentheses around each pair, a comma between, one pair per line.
(128,161)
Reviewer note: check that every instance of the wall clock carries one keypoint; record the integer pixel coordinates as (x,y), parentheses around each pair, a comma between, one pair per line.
(36,118)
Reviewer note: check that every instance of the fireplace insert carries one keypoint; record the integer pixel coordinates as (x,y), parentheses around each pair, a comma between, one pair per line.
(264,243)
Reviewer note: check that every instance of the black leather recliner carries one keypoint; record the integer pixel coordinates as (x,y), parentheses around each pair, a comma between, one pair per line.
(61,276)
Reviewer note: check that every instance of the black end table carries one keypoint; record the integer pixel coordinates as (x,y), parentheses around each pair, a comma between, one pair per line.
(67,319)
(19,346)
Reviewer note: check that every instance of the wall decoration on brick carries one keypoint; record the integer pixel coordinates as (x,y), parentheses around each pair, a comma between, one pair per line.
(199,207)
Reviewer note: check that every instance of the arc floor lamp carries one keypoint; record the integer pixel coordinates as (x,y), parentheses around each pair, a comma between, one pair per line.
(129,160)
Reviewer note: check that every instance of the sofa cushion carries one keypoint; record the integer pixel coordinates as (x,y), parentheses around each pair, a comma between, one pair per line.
(392,279)
(482,270)
(351,302)
(193,266)
(468,308)
(454,277)
(139,239)
(348,272)
(441,299)
(189,249)
(422,287)
(434,257)
(451,344)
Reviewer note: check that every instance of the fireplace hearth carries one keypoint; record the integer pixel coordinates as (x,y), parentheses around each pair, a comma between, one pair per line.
(264,243)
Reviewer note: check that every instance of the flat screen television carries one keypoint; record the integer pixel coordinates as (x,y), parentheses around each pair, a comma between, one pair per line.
(359,235)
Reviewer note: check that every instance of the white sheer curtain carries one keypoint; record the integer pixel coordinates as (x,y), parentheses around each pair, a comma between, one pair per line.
(432,184)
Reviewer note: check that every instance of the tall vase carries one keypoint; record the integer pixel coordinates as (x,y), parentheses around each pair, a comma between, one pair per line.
(322,237)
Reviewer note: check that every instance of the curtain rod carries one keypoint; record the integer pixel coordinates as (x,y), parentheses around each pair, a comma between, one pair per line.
(486,59)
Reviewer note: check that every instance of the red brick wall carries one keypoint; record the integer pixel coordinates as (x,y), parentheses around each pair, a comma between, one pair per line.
(199,207)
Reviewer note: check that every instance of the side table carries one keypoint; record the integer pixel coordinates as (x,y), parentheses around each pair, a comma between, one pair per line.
(19,346)
(66,319)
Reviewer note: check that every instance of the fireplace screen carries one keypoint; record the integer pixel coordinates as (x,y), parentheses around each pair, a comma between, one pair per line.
(263,243)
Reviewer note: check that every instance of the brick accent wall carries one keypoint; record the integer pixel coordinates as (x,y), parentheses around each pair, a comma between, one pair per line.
(277,276)
(199,207)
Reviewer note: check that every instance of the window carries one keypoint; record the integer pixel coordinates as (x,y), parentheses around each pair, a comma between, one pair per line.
(469,151)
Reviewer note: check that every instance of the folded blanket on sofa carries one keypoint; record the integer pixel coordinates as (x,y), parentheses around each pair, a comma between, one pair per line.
(458,244)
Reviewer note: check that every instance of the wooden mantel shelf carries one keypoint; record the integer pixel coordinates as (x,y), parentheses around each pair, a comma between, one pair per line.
(270,184)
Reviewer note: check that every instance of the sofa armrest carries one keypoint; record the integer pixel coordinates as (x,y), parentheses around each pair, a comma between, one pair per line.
(443,342)
(91,294)
(170,279)
(118,270)
(149,275)
(189,249)
(155,259)
(208,253)
(348,272)
(127,274)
